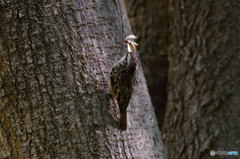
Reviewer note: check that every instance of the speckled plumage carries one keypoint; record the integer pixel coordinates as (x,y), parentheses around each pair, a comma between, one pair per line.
(121,84)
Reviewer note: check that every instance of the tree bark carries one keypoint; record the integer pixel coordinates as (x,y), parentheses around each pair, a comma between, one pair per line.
(150,22)
(203,112)
(55,58)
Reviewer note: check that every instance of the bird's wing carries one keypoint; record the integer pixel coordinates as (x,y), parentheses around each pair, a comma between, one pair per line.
(112,83)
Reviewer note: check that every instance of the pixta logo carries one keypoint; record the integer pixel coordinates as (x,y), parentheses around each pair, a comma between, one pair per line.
(213,153)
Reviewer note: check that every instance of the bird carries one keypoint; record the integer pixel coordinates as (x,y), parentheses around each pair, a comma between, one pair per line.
(121,79)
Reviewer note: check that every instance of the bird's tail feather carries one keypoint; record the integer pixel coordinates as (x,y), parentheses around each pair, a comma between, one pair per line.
(123,120)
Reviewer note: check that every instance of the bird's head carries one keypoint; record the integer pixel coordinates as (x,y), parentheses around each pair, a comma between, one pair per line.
(130,44)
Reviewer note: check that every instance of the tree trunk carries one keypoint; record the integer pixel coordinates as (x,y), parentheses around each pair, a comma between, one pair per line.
(150,22)
(55,59)
(203,110)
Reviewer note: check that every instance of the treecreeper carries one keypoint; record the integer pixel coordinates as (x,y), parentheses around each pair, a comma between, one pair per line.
(121,79)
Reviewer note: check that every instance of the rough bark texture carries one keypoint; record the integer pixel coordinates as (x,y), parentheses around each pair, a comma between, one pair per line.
(203,112)
(55,58)
(149,22)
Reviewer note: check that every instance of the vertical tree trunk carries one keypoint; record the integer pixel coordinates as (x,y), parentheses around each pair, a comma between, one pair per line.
(55,58)
(150,22)
(203,110)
